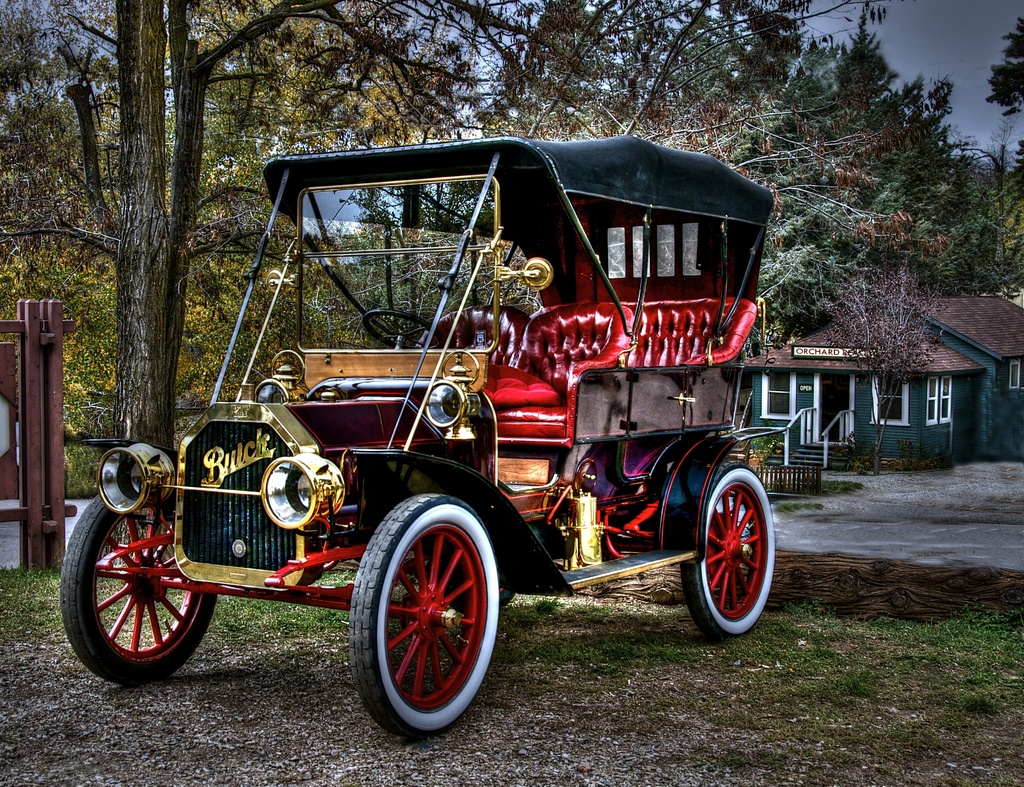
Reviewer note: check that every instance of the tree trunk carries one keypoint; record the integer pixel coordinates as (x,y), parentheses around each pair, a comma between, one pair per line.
(156,242)
(189,82)
(146,350)
(81,96)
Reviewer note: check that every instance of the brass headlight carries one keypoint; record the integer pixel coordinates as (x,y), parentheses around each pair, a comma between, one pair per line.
(450,407)
(127,477)
(446,405)
(299,489)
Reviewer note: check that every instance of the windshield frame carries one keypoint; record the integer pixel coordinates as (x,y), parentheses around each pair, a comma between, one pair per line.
(307,255)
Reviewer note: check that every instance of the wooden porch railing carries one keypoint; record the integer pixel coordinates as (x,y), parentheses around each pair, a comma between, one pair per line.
(806,420)
(845,422)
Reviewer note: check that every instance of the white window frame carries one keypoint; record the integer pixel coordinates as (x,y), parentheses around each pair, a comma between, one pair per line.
(904,419)
(939,408)
(1014,373)
(766,398)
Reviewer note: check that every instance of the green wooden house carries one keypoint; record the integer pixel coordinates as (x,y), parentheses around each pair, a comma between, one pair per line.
(965,404)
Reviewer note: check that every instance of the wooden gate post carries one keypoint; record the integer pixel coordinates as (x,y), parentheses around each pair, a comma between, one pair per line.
(51,342)
(30,420)
(42,508)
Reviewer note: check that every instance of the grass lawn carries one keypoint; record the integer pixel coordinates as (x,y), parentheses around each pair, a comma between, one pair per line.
(881,701)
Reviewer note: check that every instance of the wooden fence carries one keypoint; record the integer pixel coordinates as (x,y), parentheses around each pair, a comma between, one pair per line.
(790,480)
(31,406)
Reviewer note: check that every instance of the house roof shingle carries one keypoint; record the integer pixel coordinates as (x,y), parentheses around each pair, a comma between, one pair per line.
(991,322)
(994,324)
(942,359)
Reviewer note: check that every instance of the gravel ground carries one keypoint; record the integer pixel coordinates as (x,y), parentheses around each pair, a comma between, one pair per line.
(970,515)
(997,487)
(254,723)
(266,716)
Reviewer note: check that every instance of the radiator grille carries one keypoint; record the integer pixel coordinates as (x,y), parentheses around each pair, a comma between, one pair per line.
(213,521)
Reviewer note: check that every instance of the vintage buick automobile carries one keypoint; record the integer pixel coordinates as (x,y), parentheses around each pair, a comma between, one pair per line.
(506,366)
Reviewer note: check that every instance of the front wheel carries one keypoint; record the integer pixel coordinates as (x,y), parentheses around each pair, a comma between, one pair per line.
(127,614)
(727,590)
(424,615)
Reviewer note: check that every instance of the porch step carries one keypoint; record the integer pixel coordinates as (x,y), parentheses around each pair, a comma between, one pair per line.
(811,455)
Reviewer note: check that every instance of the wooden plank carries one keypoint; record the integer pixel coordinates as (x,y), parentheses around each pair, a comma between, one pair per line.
(53,426)
(30,393)
(513,470)
(9,391)
(20,513)
(401,364)
(17,326)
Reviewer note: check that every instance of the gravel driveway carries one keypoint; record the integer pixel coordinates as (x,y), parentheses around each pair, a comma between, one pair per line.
(970,515)
(281,716)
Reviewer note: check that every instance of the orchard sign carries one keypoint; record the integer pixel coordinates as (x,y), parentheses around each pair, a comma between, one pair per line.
(826,353)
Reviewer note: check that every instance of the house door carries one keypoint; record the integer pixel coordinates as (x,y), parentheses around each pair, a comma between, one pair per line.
(834,394)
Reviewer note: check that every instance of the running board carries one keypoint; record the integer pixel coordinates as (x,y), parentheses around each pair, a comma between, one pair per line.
(626,567)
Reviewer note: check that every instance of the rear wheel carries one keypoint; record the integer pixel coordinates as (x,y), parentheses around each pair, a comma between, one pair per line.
(126,611)
(727,590)
(424,615)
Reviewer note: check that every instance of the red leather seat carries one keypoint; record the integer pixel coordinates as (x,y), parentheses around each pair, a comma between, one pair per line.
(510,388)
(677,333)
(560,344)
(479,321)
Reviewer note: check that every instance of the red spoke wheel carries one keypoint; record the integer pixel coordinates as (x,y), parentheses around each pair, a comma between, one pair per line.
(726,591)
(424,615)
(127,611)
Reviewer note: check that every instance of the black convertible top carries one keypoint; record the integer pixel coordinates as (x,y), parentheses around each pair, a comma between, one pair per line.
(626,169)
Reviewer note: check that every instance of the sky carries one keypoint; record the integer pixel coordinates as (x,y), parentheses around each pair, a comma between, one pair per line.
(957,39)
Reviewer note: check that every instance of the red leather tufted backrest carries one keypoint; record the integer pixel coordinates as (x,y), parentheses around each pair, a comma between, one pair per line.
(558,337)
(676,333)
(511,325)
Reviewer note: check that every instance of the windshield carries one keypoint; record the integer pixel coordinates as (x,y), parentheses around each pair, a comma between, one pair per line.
(375,259)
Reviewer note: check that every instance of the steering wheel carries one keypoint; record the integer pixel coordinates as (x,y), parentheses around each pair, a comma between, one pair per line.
(392,327)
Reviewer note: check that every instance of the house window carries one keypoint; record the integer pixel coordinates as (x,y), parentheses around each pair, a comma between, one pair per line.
(1015,372)
(779,395)
(940,400)
(897,406)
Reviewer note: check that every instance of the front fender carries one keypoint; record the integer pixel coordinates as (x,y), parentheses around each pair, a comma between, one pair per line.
(387,477)
(685,491)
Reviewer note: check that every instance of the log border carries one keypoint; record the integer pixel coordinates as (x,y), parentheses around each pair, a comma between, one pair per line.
(857,587)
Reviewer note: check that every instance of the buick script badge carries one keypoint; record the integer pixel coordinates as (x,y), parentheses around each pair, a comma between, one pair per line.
(220,464)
